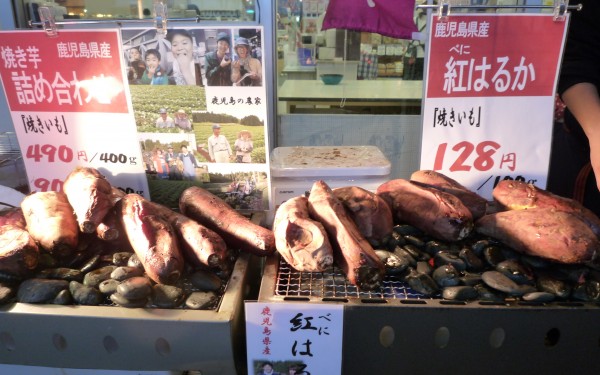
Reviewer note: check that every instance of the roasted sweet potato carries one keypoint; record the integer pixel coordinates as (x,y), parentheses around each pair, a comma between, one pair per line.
(473,201)
(519,195)
(545,232)
(111,226)
(370,212)
(152,238)
(301,241)
(236,229)
(437,213)
(352,252)
(13,216)
(19,253)
(89,193)
(51,221)
(200,245)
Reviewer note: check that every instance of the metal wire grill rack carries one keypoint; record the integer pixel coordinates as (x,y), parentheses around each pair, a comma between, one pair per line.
(334,284)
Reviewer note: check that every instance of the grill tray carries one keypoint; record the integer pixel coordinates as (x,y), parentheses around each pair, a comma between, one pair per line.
(133,339)
(332,284)
(398,331)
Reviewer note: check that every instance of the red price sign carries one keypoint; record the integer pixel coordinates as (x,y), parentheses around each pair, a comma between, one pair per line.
(487,113)
(49,153)
(43,184)
(459,154)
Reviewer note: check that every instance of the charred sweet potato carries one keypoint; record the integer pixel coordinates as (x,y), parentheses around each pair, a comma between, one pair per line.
(473,201)
(152,238)
(19,253)
(89,193)
(370,212)
(437,213)
(111,226)
(200,245)
(13,216)
(519,195)
(301,241)
(236,229)
(545,232)
(352,252)
(51,221)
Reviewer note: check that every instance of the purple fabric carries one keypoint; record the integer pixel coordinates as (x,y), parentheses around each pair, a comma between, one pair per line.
(386,17)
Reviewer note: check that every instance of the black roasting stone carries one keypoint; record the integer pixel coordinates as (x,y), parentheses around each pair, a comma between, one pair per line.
(95,277)
(125,272)
(85,295)
(108,286)
(135,288)
(200,300)
(40,290)
(118,299)
(206,281)
(460,293)
(167,296)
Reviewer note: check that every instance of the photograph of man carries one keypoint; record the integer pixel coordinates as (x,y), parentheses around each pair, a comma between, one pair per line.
(164,121)
(218,146)
(218,62)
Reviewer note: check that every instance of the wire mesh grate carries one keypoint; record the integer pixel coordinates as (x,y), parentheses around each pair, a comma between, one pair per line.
(334,284)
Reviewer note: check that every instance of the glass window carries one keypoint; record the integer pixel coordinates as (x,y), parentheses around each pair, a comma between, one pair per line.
(214,10)
(379,74)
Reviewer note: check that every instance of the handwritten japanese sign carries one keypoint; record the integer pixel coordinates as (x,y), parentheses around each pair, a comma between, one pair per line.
(306,337)
(489,99)
(70,107)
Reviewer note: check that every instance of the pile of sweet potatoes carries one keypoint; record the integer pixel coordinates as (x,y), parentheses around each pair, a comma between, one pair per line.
(61,224)
(347,225)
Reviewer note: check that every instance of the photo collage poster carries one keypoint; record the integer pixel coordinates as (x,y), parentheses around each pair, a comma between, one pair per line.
(200,108)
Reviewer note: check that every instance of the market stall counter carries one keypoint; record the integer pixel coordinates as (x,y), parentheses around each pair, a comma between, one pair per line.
(396,330)
(108,337)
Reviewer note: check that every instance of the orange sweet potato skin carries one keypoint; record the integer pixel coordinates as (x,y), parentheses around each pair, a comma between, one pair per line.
(545,232)
(519,195)
(352,251)
(370,212)
(237,230)
(19,254)
(51,221)
(473,201)
(90,195)
(152,238)
(437,213)
(200,245)
(13,216)
(301,241)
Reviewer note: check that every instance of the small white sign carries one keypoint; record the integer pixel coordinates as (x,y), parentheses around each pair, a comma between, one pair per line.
(305,337)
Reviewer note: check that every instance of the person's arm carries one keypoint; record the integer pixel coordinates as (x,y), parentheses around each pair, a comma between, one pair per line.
(583,101)
(235,71)
(211,65)
(256,68)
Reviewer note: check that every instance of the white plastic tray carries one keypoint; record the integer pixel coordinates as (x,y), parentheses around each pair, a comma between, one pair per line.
(328,161)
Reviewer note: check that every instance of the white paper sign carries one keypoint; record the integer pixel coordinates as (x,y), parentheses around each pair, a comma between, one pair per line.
(302,336)
(488,111)
(70,107)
